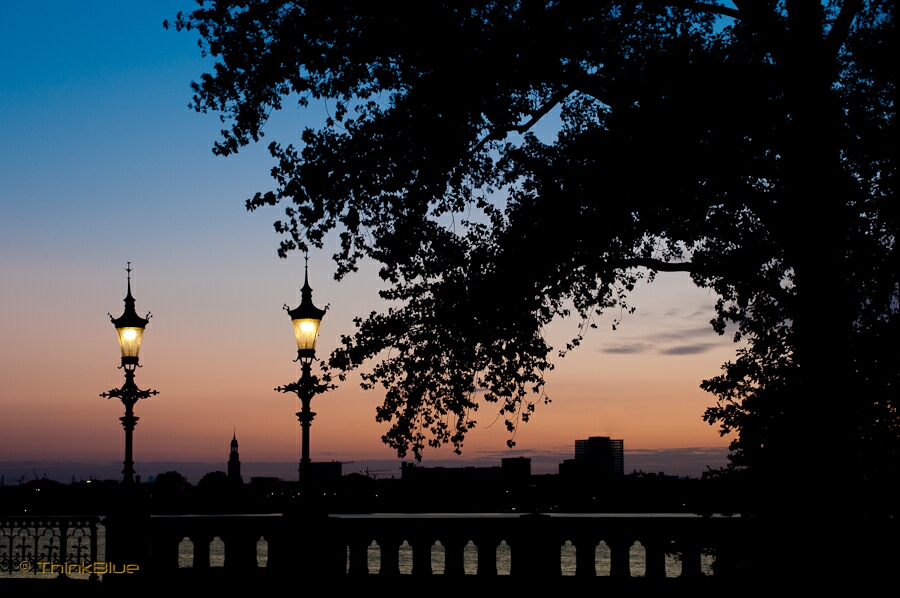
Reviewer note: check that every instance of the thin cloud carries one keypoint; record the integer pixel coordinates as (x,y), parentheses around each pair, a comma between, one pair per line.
(687,342)
(625,349)
(682,335)
(688,349)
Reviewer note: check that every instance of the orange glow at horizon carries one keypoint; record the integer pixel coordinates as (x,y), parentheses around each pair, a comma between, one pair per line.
(640,384)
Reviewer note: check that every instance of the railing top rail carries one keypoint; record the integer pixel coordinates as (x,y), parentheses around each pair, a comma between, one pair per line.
(47,520)
(214,515)
(519,515)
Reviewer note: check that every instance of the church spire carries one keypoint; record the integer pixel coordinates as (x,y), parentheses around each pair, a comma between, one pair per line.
(234,462)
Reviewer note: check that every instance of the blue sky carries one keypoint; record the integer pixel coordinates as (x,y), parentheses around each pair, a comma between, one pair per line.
(101,162)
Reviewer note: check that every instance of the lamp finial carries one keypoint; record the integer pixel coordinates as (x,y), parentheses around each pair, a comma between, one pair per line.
(128,269)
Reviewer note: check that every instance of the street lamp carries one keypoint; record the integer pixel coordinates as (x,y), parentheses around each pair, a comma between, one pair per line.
(130,328)
(306,319)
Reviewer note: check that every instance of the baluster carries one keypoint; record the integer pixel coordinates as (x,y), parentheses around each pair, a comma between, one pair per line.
(487,555)
(240,550)
(93,528)
(17,541)
(690,560)
(31,550)
(585,557)
(421,549)
(454,549)
(63,544)
(201,542)
(390,555)
(618,557)
(359,557)
(35,553)
(655,558)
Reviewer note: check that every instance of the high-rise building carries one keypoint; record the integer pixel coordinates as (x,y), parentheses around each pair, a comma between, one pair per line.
(607,453)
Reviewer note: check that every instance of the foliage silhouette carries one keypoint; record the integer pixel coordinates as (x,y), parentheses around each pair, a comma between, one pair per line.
(752,146)
(214,482)
(171,481)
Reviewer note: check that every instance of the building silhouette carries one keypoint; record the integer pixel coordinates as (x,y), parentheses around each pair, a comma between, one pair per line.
(234,463)
(516,469)
(326,470)
(597,456)
(602,449)
(511,470)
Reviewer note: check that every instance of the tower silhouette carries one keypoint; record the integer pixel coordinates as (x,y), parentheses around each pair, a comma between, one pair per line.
(234,463)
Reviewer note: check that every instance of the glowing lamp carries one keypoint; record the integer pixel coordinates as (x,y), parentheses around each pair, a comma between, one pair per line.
(306,319)
(306,330)
(130,328)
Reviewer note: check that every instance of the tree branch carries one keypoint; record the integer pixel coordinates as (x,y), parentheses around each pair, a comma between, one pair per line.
(704,7)
(654,264)
(714,9)
(841,27)
(536,115)
(588,85)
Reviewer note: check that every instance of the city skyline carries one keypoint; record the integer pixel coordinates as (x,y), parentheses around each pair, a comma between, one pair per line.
(103,164)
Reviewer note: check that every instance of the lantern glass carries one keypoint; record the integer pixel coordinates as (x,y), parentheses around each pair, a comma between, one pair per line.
(130,340)
(306,330)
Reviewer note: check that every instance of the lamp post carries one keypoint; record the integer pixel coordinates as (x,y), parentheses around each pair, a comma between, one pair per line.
(130,328)
(306,319)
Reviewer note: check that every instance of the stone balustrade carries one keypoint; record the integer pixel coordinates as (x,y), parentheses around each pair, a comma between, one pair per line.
(339,545)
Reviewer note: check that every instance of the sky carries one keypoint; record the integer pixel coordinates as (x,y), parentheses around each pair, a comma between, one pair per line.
(102,162)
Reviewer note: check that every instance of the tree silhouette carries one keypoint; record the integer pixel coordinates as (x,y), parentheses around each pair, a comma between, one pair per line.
(171,481)
(752,146)
(214,483)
